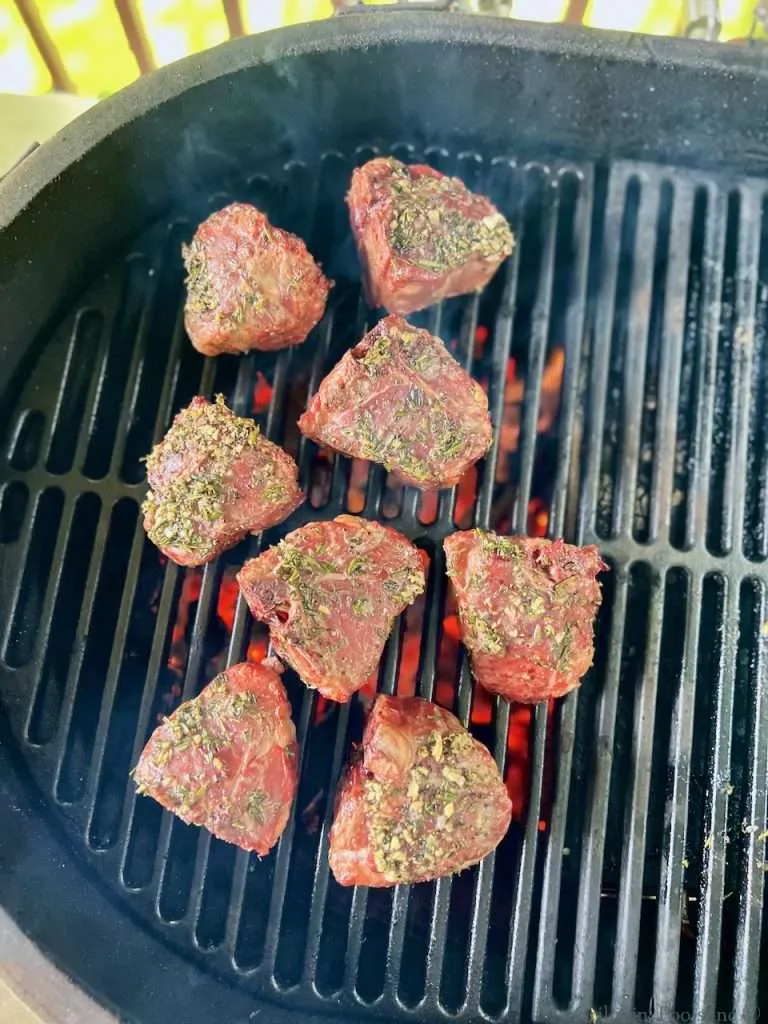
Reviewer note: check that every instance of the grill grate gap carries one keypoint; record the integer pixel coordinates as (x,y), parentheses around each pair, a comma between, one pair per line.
(453,983)
(25,448)
(661,766)
(98,648)
(158,339)
(718,525)
(584,756)
(30,595)
(211,925)
(687,444)
(703,844)
(372,963)
(14,500)
(620,337)
(132,643)
(641,527)
(44,718)
(82,357)
(113,372)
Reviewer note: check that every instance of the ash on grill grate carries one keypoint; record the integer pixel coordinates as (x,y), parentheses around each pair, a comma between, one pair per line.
(624,352)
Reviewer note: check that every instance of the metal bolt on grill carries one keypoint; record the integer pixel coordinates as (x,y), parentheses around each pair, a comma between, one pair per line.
(625,355)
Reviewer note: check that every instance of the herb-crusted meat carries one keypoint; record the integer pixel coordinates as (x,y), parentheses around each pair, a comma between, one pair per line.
(401,399)
(423,799)
(213,479)
(330,593)
(249,284)
(227,760)
(422,236)
(527,610)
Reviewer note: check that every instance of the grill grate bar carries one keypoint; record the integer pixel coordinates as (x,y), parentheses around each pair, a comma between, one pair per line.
(713,884)
(99,378)
(241,404)
(711,292)
(571,415)
(673,337)
(283,856)
(113,672)
(633,849)
(585,948)
(743,345)
(502,343)
(166,604)
(388,685)
(355,938)
(154,667)
(748,938)
(524,883)
(502,334)
(78,646)
(71,369)
(671,892)
(596,815)
(571,432)
(45,623)
(322,867)
(601,326)
(537,355)
(467,337)
(706,977)
(130,394)
(636,342)
(205,606)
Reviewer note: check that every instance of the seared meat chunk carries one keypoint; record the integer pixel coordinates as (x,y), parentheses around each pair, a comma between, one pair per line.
(527,609)
(401,399)
(421,800)
(249,284)
(213,479)
(227,760)
(422,236)
(330,593)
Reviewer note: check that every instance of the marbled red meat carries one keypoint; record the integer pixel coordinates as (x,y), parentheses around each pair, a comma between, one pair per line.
(527,608)
(227,760)
(422,799)
(249,284)
(213,479)
(422,236)
(330,593)
(399,398)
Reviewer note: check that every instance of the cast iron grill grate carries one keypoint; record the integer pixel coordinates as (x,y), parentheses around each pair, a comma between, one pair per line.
(624,350)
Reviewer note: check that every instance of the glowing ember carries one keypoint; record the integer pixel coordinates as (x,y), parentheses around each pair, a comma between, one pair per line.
(538,518)
(549,405)
(262,394)
(190,594)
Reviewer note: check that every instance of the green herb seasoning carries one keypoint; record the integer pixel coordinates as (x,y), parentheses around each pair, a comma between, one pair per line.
(207,438)
(429,229)
(201,297)
(416,829)
(429,437)
(256,805)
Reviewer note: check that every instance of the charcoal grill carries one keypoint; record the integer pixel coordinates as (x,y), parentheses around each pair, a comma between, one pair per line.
(635,174)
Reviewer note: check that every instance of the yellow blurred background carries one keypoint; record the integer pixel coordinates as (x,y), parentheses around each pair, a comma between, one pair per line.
(94,47)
